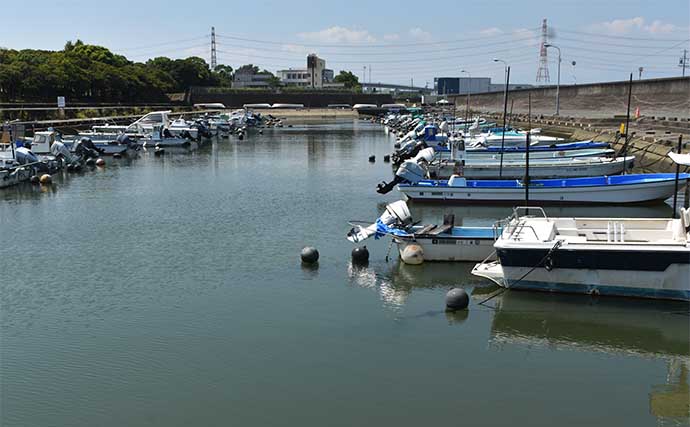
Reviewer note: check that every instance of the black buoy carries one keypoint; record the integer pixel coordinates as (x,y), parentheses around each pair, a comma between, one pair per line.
(360,255)
(158,151)
(240,136)
(117,156)
(261,131)
(457,299)
(35,179)
(309,255)
(372,159)
(90,161)
(387,158)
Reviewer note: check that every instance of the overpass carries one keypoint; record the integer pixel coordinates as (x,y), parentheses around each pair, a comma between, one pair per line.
(397,88)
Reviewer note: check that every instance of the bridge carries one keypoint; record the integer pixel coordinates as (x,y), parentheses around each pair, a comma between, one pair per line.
(367,87)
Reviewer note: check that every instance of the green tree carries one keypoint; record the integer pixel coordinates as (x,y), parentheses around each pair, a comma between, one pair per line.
(350,80)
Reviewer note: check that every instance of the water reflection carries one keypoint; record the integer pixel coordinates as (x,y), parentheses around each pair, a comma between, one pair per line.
(627,327)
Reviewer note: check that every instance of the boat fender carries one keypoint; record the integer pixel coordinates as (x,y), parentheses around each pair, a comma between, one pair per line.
(412,254)
(548,263)
(46,179)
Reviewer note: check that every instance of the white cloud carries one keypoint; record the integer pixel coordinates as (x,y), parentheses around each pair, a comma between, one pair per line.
(391,37)
(338,34)
(419,34)
(658,27)
(493,31)
(636,24)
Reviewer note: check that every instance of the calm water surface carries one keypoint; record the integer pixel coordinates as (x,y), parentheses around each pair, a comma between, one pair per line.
(169,292)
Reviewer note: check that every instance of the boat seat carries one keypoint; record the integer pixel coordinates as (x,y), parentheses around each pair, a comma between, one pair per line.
(445,228)
(426,229)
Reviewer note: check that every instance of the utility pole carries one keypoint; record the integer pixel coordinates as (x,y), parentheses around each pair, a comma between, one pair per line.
(364,76)
(214,62)
(640,70)
(369,73)
(684,61)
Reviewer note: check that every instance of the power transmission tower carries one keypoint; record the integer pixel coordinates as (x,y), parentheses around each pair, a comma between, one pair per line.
(214,62)
(543,71)
(683,63)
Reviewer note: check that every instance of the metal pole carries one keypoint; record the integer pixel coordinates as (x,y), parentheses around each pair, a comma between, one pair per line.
(505,112)
(529,129)
(675,188)
(685,59)
(627,119)
(558,84)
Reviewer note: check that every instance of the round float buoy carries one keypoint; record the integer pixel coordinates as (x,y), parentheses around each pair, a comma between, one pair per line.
(35,179)
(261,131)
(387,158)
(289,126)
(100,162)
(117,156)
(90,161)
(46,179)
(457,299)
(360,255)
(412,254)
(372,159)
(240,136)
(309,255)
(158,151)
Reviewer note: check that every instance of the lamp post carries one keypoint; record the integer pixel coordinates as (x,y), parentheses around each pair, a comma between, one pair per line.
(505,77)
(558,84)
(467,107)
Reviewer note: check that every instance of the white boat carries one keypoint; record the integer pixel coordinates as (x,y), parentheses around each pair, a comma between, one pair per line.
(431,242)
(558,167)
(636,257)
(180,127)
(631,188)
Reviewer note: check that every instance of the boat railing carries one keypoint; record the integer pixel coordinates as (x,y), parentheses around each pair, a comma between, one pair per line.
(517,231)
(526,209)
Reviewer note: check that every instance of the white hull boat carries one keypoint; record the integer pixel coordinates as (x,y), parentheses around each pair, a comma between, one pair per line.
(633,188)
(634,257)
(539,168)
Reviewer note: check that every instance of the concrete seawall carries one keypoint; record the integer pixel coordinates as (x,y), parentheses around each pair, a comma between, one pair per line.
(669,97)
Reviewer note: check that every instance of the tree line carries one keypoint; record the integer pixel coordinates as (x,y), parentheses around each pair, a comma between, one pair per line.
(84,72)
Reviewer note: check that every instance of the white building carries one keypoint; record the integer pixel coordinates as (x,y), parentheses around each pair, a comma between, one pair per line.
(251,80)
(314,76)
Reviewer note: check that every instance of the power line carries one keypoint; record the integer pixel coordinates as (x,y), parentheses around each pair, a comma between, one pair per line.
(610,36)
(387,45)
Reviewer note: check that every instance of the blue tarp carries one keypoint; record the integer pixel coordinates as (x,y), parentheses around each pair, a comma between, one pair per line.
(383,229)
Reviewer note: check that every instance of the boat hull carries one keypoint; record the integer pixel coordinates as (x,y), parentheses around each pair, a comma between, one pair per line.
(516,170)
(644,192)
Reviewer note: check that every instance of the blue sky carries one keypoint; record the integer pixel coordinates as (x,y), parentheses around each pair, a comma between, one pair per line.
(397,40)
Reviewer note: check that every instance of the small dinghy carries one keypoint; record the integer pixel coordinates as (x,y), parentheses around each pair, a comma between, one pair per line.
(431,242)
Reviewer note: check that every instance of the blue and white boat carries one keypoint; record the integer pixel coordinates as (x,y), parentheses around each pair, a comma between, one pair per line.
(431,242)
(632,188)
(635,257)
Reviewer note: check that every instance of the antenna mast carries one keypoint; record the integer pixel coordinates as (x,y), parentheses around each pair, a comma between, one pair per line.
(214,62)
(543,71)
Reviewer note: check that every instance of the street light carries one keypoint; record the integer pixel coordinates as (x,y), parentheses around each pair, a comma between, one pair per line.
(558,84)
(467,108)
(505,78)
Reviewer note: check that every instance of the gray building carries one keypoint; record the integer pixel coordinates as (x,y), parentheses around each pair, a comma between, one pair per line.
(249,79)
(464,85)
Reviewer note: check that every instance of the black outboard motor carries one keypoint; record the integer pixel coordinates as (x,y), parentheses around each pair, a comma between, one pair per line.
(124,139)
(86,149)
(407,152)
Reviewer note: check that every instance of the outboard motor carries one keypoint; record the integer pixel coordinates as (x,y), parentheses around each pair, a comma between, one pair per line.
(408,151)
(396,213)
(411,171)
(86,149)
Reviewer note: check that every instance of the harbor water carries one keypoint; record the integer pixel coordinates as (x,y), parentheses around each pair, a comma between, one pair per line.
(168,291)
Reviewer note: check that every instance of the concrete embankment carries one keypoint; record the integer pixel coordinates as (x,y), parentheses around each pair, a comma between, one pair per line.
(669,97)
(650,143)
